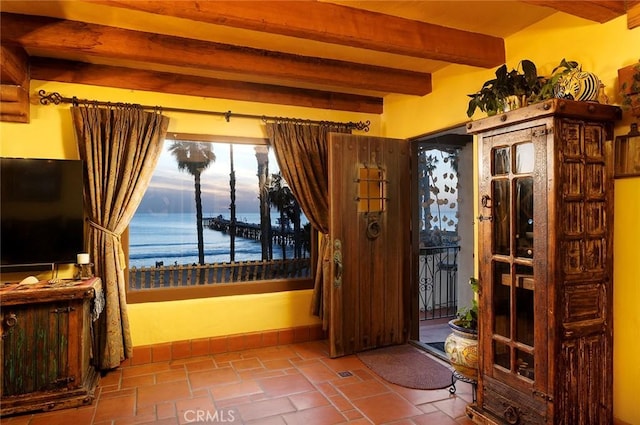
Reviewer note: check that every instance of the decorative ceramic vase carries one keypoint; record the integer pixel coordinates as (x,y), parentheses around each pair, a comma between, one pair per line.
(578,85)
(461,347)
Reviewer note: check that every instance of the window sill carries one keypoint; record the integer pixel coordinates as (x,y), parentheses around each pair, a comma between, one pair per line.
(217,290)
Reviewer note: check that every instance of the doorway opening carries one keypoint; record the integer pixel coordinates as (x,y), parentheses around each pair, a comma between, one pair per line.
(442,216)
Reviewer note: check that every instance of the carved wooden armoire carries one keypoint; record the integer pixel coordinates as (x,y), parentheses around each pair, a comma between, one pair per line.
(545,251)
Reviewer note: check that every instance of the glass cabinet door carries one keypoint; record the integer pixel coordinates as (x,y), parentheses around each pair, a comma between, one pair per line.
(507,217)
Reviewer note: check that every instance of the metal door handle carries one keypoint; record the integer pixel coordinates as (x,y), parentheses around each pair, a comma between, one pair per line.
(337,260)
(511,415)
(10,320)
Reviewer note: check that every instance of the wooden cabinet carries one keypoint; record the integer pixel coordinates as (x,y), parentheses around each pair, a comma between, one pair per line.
(46,348)
(545,253)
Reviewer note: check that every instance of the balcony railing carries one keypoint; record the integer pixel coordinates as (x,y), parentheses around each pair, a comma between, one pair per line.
(438,281)
(234,272)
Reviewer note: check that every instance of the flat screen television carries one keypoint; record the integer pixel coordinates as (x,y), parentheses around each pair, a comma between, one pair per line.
(41,212)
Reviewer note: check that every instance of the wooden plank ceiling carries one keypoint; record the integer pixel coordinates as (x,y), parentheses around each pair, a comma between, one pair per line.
(344,55)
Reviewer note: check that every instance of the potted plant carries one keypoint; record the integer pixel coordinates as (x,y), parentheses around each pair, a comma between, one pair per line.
(467,317)
(569,81)
(510,89)
(629,79)
(513,89)
(461,346)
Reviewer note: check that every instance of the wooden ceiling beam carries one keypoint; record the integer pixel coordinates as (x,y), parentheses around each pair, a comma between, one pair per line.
(50,36)
(14,84)
(594,10)
(162,82)
(14,65)
(633,14)
(336,24)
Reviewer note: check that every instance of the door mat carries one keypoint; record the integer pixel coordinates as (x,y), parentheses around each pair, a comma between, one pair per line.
(407,366)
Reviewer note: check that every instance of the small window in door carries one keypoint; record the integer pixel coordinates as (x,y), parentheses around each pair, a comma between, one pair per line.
(371,190)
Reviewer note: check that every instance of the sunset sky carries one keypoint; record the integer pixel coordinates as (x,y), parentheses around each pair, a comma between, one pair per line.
(172,190)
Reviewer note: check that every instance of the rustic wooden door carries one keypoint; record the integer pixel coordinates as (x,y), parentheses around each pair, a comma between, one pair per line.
(370,238)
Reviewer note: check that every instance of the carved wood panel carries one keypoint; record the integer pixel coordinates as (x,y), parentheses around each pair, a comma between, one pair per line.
(584,174)
(583,392)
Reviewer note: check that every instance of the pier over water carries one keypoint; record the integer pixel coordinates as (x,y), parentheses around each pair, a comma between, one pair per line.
(249,230)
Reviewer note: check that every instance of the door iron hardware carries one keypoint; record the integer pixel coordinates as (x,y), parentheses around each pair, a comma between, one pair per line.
(511,415)
(373,229)
(64,381)
(337,260)
(542,132)
(486,201)
(62,310)
(10,320)
(538,393)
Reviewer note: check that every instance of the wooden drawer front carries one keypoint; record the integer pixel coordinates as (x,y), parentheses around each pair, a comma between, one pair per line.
(512,406)
(35,348)
(584,303)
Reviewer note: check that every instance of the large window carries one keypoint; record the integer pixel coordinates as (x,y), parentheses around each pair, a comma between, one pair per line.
(217,219)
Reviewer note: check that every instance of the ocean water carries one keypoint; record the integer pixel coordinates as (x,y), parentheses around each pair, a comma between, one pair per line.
(172,238)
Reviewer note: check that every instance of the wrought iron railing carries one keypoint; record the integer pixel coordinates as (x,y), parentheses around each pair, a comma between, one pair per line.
(438,281)
(234,272)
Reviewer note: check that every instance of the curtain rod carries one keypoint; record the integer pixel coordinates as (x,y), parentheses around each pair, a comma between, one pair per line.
(56,99)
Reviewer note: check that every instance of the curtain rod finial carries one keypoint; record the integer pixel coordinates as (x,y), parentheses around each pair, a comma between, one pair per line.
(46,99)
(362,125)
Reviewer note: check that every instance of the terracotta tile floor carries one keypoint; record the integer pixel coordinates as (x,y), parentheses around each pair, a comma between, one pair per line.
(284,385)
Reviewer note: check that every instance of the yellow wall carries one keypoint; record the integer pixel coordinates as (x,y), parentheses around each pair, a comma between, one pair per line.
(153,323)
(600,48)
(626,300)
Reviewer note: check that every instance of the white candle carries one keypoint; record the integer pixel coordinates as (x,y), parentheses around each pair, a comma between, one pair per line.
(83,258)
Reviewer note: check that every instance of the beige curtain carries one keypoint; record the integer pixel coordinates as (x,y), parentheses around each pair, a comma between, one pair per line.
(120,147)
(302,152)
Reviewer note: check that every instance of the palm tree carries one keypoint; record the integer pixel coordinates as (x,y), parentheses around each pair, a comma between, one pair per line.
(262,156)
(232,208)
(295,213)
(194,158)
(281,197)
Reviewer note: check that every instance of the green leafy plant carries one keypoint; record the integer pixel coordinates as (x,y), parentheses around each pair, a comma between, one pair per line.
(468,316)
(548,84)
(494,95)
(524,86)
(630,90)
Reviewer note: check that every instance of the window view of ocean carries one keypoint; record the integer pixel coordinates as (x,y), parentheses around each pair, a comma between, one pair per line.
(172,239)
